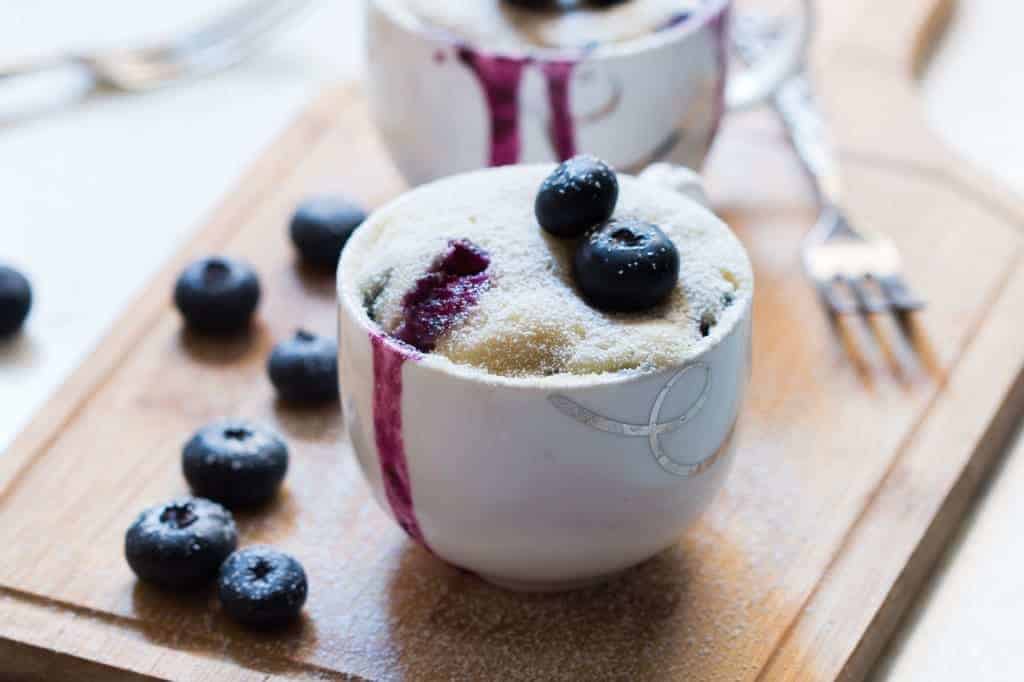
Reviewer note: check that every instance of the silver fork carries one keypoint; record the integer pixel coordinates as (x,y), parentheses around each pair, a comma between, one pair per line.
(854,270)
(224,41)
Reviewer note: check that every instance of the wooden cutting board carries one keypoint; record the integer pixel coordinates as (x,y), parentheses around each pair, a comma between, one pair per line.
(848,479)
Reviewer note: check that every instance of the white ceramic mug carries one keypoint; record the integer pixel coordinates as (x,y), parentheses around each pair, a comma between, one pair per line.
(537,483)
(444,106)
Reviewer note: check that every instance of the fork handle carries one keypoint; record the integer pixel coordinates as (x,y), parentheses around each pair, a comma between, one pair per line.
(799,111)
(37,65)
(805,126)
(34,87)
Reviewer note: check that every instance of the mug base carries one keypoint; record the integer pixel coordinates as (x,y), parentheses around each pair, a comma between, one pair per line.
(514,585)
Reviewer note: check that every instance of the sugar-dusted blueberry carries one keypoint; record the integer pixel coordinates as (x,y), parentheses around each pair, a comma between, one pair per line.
(304,369)
(217,295)
(235,462)
(321,226)
(180,544)
(626,265)
(579,194)
(262,588)
(15,300)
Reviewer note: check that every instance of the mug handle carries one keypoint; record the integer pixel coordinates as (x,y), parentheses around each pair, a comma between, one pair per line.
(751,86)
(678,179)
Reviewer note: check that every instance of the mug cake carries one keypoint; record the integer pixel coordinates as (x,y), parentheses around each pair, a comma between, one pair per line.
(542,367)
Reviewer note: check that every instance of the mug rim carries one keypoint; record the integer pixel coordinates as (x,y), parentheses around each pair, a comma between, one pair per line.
(348,302)
(647,43)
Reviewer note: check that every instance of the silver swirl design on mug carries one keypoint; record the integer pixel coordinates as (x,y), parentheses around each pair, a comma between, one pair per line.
(654,429)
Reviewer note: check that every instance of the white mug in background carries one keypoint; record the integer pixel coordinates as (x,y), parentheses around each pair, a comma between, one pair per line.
(444,105)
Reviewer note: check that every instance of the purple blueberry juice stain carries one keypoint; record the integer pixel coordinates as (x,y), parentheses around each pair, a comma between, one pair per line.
(388,359)
(499,76)
(451,286)
(563,128)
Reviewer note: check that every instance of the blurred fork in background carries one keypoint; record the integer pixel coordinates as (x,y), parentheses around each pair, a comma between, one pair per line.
(855,271)
(837,256)
(218,44)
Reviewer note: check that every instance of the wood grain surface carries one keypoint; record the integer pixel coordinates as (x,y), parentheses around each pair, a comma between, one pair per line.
(849,478)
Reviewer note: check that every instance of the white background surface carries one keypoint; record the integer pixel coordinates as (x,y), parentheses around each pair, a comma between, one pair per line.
(95,196)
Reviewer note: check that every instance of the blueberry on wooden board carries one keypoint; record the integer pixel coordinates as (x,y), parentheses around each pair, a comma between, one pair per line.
(235,462)
(217,295)
(262,588)
(304,369)
(321,226)
(180,544)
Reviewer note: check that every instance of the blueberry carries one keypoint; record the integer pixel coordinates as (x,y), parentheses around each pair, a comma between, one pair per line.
(321,226)
(580,193)
(217,295)
(235,462)
(626,265)
(262,588)
(15,300)
(604,3)
(304,369)
(181,544)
